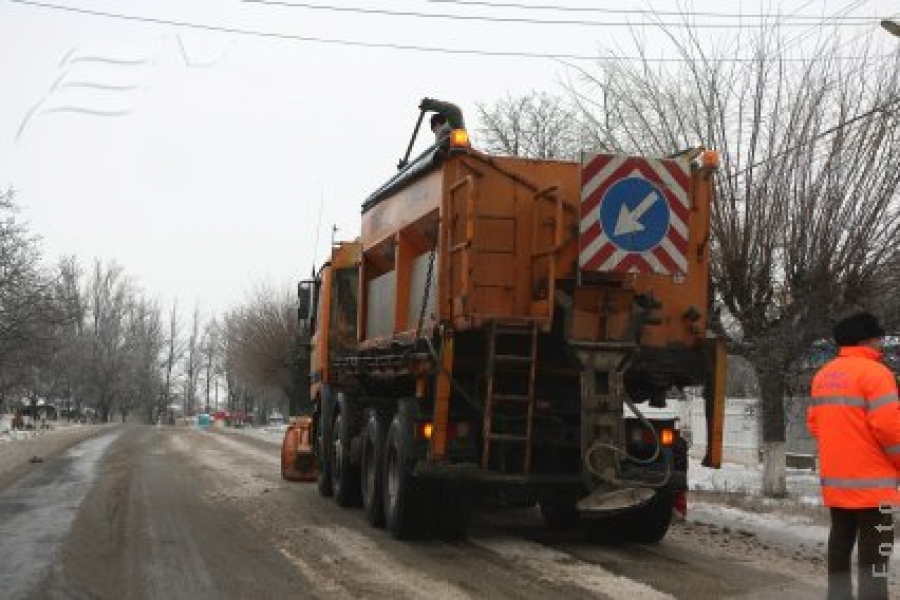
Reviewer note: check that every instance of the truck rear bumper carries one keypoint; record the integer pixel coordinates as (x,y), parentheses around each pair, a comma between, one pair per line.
(474,473)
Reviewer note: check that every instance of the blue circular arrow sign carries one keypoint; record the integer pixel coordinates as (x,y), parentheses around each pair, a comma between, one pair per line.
(634,214)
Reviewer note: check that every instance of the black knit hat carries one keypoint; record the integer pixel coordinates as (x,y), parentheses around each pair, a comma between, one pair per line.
(857,328)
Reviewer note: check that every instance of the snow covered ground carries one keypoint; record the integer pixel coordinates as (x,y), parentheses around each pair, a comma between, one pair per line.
(19,448)
(269,433)
(732,497)
(802,484)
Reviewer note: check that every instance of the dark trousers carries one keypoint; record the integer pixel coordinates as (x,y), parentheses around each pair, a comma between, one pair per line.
(875,530)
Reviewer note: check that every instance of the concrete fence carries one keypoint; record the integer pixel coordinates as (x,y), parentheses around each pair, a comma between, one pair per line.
(743,431)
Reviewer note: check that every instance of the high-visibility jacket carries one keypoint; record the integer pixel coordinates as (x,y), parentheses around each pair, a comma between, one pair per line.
(854,414)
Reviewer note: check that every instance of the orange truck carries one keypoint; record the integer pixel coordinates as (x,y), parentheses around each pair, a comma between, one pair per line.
(494,331)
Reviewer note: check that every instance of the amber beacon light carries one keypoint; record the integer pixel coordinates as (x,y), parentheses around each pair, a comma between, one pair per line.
(710,159)
(459,138)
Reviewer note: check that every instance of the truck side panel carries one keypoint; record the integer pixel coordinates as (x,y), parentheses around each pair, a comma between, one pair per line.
(397,244)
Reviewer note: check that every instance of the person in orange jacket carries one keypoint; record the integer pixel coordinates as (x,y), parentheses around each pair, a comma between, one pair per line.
(855,417)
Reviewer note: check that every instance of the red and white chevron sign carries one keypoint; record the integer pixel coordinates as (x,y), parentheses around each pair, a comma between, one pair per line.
(634,214)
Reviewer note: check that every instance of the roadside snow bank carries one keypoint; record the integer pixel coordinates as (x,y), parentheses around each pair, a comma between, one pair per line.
(18,448)
(269,433)
(775,527)
(802,485)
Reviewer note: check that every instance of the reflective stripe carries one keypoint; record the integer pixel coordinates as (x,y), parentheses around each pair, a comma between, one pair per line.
(854,401)
(844,482)
(893,449)
(839,400)
(881,401)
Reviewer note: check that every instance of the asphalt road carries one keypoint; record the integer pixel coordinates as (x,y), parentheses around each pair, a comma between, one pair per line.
(146,512)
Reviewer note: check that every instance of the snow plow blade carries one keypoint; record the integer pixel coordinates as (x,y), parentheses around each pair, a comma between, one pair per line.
(297,460)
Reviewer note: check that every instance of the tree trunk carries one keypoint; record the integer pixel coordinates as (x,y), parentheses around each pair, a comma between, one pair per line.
(772,386)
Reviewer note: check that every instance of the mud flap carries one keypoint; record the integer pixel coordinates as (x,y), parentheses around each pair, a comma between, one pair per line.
(714,400)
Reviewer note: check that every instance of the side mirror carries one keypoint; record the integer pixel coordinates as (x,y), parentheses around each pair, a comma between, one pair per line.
(305,300)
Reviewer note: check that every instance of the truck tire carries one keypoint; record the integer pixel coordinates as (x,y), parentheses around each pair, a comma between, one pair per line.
(408,507)
(560,515)
(454,510)
(372,468)
(344,475)
(613,529)
(650,523)
(323,443)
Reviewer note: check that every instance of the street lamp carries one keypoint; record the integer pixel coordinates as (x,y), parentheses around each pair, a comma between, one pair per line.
(891,26)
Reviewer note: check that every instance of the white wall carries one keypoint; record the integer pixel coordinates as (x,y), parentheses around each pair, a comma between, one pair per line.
(742,429)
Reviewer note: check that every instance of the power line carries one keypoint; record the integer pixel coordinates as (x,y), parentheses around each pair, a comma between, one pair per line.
(296,37)
(841,13)
(529,21)
(638,11)
(881,108)
(364,44)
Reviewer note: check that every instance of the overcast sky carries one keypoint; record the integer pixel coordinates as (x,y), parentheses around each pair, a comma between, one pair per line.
(198,159)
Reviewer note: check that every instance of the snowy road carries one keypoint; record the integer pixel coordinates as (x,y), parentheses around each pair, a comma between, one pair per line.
(180,513)
(37,512)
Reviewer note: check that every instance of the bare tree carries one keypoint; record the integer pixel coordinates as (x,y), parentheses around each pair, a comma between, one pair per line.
(806,219)
(31,314)
(210,354)
(110,297)
(70,361)
(146,342)
(192,364)
(172,354)
(536,125)
(264,349)
(228,357)
(93,343)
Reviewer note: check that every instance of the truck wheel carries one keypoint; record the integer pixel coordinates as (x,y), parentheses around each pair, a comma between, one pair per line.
(344,478)
(323,448)
(372,469)
(560,515)
(651,521)
(408,509)
(454,510)
(613,529)
(323,479)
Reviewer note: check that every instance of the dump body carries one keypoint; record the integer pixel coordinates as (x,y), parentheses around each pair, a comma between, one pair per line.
(509,232)
(484,335)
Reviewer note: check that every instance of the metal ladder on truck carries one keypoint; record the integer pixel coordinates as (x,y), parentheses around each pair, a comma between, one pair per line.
(509,402)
